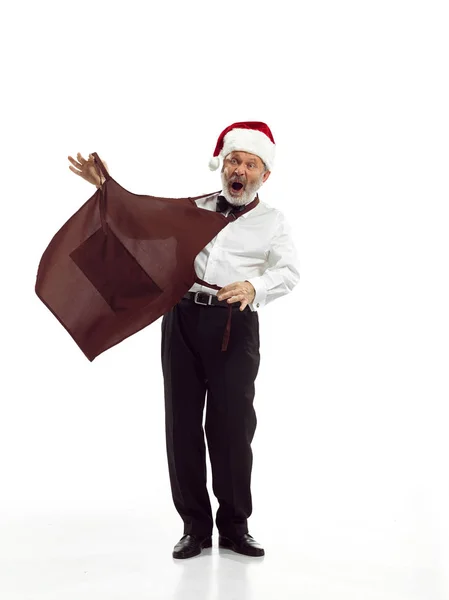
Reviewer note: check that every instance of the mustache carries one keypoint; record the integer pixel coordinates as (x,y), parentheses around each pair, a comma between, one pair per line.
(236,179)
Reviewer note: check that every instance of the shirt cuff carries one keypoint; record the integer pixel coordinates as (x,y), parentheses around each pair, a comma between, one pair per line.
(261,293)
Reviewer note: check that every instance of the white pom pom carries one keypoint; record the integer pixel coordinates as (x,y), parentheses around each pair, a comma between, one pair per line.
(214,163)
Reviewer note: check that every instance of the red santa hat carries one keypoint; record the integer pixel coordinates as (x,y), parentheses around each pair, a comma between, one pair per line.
(249,136)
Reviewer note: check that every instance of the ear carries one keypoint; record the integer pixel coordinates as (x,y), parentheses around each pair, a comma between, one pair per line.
(265,176)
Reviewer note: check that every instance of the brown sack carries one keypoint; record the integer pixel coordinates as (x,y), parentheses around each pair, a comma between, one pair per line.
(122,261)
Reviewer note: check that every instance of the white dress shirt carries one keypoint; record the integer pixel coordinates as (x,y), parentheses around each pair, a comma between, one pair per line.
(256,247)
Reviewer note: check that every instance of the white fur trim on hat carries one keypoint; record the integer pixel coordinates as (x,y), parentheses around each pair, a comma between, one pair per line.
(252,141)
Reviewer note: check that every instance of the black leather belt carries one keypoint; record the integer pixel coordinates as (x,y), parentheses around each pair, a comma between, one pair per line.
(209,300)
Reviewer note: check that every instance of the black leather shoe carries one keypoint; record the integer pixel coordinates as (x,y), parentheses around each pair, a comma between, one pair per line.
(244,544)
(191,545)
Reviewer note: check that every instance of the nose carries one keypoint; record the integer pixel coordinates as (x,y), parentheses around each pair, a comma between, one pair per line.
(239,170)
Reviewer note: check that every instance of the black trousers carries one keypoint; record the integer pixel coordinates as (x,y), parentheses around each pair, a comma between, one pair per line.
(194,366)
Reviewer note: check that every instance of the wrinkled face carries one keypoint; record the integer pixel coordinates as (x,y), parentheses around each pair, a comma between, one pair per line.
(242,175)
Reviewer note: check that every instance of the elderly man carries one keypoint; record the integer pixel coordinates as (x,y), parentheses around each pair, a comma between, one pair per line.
(255,261)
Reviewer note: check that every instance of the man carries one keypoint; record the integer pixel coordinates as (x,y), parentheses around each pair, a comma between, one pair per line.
(254,260)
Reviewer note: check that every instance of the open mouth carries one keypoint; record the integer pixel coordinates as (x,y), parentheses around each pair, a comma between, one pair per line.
(237,186)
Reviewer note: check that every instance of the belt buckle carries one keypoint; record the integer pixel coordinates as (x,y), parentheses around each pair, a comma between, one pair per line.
(209,302)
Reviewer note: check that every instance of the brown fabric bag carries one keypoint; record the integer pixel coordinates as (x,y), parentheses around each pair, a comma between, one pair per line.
(122,261)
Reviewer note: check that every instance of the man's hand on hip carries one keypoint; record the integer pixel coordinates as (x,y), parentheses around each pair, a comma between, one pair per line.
(240,291)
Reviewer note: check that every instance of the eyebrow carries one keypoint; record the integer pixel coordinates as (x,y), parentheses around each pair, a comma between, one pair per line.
(253,159)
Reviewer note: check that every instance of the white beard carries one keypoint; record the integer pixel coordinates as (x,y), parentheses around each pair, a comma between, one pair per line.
(248,195)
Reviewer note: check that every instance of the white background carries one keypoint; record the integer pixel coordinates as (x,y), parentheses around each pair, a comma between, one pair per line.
(350,478)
